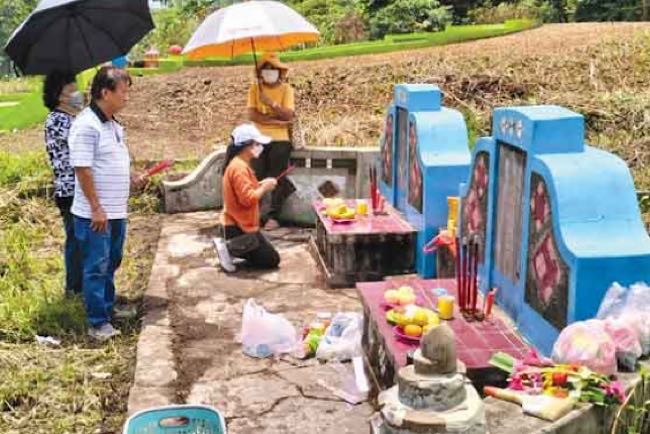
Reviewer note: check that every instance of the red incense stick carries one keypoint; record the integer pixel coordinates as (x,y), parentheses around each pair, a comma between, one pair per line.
(464,279)
(468,278)
(475,282)
(163,165)
(286,171)
(459,278)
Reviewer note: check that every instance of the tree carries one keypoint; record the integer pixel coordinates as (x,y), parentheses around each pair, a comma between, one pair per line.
(560,9)
(609,10)
(327,15)
(406,16)
(12,13)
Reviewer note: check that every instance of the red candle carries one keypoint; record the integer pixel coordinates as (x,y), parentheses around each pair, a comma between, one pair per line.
(489,302)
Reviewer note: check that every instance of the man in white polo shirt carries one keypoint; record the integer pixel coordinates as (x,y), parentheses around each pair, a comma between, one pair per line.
(100,157)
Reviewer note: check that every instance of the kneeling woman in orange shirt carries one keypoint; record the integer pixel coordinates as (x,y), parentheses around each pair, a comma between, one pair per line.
(241,195)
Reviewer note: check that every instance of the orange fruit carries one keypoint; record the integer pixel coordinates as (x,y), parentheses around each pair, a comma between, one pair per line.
(413,330)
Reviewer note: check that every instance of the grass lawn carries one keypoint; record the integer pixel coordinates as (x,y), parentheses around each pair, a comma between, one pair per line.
(29,111)
(390,43)
(79,386)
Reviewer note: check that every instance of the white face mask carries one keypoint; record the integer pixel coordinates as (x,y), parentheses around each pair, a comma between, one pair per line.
(270,76)
(257,150)
(76,100)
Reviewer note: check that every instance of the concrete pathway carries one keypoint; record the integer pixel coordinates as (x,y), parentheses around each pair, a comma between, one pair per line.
(189,352)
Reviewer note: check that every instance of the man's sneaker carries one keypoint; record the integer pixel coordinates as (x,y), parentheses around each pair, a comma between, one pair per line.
(103,332)
(224,255)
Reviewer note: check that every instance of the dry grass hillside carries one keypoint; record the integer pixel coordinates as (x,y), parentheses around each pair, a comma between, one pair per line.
(600,70)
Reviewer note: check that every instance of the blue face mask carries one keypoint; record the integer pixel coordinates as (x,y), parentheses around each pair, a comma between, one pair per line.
(76,100)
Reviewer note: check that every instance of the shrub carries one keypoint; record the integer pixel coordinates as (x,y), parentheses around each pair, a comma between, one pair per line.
(350,28)
(172,27)
(332,16)
(609,10)
(531,9)
(408,16)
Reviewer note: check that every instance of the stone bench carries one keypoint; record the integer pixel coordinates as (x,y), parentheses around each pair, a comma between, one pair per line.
(339,170)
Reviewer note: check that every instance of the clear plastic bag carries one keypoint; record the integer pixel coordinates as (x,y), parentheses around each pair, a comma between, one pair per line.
(265,334)
(586,343)
(342,339)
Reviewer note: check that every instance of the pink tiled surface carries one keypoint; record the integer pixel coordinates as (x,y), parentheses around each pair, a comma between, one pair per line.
(392,222)
(475,341)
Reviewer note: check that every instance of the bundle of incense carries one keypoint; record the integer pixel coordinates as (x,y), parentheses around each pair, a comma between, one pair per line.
(542,406)
(163,165)
(286,171)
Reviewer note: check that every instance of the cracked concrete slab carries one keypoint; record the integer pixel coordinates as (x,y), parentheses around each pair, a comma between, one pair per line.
(301,415)
(189,349)
(249,395)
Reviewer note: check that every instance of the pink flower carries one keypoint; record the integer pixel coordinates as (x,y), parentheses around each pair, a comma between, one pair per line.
(516,383)
(616,390)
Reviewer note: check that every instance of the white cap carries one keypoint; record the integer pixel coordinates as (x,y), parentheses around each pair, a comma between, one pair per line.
(246,133)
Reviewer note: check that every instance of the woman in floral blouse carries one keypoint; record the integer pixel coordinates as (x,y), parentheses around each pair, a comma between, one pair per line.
(63,99)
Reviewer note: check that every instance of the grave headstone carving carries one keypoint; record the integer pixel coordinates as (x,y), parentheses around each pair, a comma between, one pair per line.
(424,156)
(557,220)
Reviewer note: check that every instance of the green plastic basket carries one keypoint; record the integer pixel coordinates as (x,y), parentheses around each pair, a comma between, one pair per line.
(176,419)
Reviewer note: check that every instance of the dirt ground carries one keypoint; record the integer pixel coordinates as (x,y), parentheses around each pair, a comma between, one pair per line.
(342,101)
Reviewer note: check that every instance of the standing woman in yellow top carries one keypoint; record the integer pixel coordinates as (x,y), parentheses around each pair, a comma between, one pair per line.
(272,111)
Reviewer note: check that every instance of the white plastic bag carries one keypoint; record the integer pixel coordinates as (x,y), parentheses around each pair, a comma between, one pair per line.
(342,339)
(613,303)
(586,343)
(264,334)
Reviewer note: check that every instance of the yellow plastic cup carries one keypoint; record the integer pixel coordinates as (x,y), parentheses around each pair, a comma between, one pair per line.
(446,307)
(362,207)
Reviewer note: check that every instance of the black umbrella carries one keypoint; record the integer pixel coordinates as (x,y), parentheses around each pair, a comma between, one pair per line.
(75,35)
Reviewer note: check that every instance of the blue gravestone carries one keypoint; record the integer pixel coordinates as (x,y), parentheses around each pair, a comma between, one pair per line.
(424,156)
(557,221)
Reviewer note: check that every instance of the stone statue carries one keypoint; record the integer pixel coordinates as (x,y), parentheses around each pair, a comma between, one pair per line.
(433,395)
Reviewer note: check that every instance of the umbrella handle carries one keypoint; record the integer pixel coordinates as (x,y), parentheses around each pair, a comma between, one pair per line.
(257,76)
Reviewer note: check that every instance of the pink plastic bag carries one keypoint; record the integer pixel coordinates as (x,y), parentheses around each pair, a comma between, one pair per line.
(632,306)
(626,339)
(586,343)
